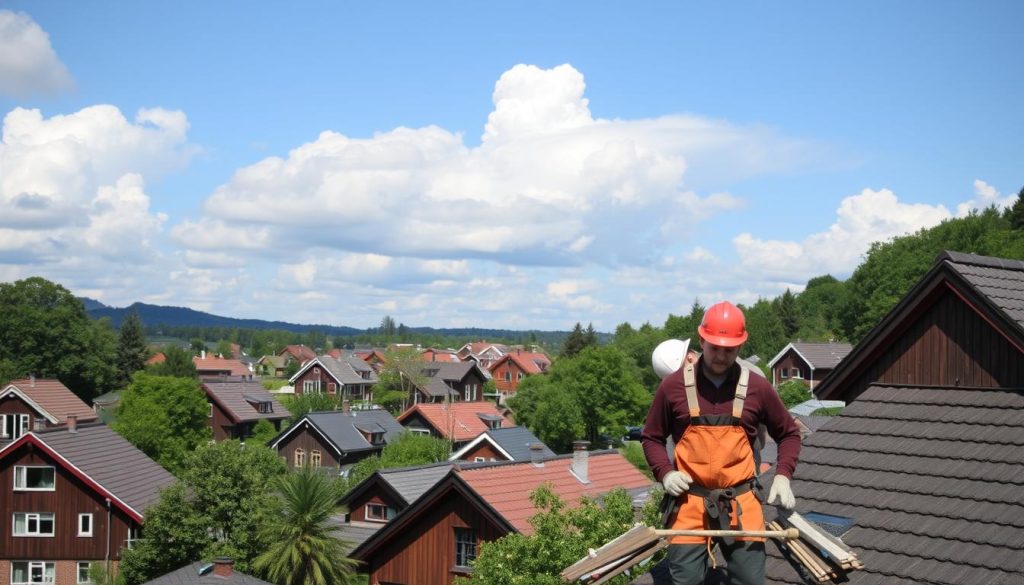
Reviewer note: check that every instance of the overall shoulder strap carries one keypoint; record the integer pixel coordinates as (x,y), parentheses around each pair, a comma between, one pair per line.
(741,392)
(690,380)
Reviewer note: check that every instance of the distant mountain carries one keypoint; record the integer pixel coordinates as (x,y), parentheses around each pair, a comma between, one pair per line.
(153,315)
(91,304)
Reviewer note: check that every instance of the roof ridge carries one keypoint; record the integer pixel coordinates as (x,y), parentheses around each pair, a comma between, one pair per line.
(63,427)
(979,260)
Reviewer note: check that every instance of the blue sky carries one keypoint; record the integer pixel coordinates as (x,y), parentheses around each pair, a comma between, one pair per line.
(525,165)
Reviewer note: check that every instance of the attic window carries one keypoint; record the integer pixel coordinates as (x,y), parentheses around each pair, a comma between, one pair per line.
(266,407)
(835,525)
(430,373)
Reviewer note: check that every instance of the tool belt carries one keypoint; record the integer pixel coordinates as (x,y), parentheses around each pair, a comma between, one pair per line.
(717,504)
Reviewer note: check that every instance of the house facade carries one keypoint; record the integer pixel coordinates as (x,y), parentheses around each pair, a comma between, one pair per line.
(448,382)
(349,377)
(336,439)
(808,362)
(67,499)
(37,404)
(482,352)
(512,368)
(437,538)
(503,444)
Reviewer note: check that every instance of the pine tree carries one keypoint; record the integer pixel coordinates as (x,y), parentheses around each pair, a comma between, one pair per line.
(1015,213)
(575,343)
(132,352)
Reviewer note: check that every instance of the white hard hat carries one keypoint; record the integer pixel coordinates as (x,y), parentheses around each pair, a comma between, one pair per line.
(668,356)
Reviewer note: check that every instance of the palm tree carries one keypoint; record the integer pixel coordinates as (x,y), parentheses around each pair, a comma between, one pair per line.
(305,549)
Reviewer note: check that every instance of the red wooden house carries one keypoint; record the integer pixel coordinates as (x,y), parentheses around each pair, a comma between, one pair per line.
(509,370)
(436,538)
(69,497)
(349,377)
(336,439)
(35,404)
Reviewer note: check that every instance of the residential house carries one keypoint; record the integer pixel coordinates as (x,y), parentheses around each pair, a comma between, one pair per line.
(437,537)
(219,571)
(431,354)
(272,365)
(504,444)
(482,352)
(336,439)
(69,497)
(443,381)
(809,362)
(922,471)
(374,357)
(219,367)
(36,404)
(297,353)
(156,358)
(509,370)
(380,497)
(350,376)
(458,422)
(237,405)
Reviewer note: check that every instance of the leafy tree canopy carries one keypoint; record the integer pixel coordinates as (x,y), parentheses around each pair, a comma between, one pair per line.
(165,417)
(45,331)
(177,363)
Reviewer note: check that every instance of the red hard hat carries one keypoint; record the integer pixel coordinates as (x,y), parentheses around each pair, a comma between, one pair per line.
(723,325)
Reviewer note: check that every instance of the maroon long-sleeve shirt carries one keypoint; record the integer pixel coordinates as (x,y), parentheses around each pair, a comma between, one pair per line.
(669,416)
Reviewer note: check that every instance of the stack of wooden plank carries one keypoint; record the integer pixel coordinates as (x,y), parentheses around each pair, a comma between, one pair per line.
(616,557)
(825,557)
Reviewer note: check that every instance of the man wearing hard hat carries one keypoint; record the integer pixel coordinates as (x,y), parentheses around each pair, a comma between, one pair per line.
(711,407)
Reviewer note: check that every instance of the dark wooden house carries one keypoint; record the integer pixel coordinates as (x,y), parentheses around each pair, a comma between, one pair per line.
(348,377)
(509,370)
(236,405)
(438,537)
(504,444)
(808,362)
(336,439)
(36,404)
(69,497)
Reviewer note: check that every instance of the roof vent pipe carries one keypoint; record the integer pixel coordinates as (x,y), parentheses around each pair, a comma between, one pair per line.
(537,454)
(580,462)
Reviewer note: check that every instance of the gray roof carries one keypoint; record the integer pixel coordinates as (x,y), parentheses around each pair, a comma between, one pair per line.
(1001,281)
(822,355)
(343,429)
(932,478)
(516,442)
(346,370)
(356,533)
(441,374)
(112,462)
(238,397)
(189,575)
(413,482)
(809,406)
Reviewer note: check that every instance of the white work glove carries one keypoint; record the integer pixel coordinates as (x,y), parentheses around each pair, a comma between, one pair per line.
(676,482)
(780,492)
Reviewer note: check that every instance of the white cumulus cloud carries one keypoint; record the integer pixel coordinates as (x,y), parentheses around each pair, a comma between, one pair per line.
(985,195)
(28,63)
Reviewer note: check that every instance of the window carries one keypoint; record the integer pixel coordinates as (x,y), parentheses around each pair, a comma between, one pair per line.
(379,513)
(33,524)
(314,458)
(133,535)
(311,386)
(519,377)
(479,459)
(419,431)
(83,573)
(210,414)
(265,407)
(784,372)
(34,478)
(332,388)
(508,375)
(316,371)
(470,392)
(376,438)
(300,457)
(796,372)
(24,572)
(465,547)
(13,426)
(85,525)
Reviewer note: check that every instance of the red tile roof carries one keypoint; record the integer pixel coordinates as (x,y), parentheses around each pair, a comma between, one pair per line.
(462,417)
(439,355)
(53,397)
(157,358)
(217,364)
(299,352)
(529,362)
(507,487)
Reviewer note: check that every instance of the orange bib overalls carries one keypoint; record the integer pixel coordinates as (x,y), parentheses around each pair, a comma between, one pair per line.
(715,451)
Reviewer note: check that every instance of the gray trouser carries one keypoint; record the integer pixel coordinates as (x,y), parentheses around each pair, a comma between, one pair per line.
(688,563)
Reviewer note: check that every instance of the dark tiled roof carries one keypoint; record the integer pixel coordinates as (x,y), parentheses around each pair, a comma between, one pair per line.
(413,482)
(516,442)
(822,355)
(441,375)
(355,533)
(932,478)
(112,462)
(346,370)
(1000,280)
(189,575)
(341,428)
(237,398)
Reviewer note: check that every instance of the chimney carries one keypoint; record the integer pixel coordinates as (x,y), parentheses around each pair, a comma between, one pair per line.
(202,354)
(580,463)
(223,566)
(32,380)
(346,406)
(536,453)
(72,423)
